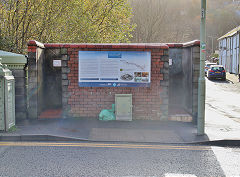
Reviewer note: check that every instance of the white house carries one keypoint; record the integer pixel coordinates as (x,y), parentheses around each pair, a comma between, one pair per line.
(229,51)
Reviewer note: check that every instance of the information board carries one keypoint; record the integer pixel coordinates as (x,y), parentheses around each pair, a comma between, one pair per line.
(114,69)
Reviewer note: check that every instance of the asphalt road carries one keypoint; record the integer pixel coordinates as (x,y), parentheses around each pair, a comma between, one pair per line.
(101,159)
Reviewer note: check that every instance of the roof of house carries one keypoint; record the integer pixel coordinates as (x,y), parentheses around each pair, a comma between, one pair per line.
(230,33)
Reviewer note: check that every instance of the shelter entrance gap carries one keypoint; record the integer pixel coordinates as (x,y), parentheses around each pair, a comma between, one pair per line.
(180,81)
(50,96)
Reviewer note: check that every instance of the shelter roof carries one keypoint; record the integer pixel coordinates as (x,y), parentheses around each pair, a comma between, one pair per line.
(9,57)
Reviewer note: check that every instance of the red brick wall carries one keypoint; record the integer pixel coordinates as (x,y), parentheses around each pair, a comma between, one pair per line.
(147,102)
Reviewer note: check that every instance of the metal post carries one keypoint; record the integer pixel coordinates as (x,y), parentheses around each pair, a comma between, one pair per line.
(201,81)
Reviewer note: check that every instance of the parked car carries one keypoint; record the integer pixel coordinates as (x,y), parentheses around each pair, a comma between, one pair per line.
(216,71)
(207,66)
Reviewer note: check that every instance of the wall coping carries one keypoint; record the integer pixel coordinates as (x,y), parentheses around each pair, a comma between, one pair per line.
(183,45)
(192,43)
(100,45)
(35,43)
(110,45)
(175,45)
(115,45)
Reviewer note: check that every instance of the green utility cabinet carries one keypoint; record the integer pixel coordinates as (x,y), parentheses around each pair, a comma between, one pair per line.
(7,98)
(123,107)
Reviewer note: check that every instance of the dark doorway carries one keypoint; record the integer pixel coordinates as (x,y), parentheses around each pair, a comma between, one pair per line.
(51,86)
(180,80)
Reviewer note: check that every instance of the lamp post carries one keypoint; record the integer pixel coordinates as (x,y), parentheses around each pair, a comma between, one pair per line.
(201,80)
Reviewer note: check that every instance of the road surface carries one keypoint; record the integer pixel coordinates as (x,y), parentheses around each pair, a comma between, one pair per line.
(108,159)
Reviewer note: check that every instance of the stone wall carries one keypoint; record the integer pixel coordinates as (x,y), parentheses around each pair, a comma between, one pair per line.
(195,51)
(20,93)
(35,54)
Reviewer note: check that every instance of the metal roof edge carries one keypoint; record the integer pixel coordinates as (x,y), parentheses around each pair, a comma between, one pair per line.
(230,33)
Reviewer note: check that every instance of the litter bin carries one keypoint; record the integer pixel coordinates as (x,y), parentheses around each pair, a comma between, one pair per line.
(7,98)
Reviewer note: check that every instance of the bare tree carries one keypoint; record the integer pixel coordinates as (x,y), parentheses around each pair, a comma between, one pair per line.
(164,20)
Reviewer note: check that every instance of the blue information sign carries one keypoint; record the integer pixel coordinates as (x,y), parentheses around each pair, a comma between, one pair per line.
(114,69)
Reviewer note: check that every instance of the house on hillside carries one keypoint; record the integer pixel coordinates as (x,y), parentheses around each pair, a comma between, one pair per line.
(229,51)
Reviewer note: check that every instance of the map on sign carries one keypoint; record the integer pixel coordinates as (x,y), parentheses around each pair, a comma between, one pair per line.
(142,67)
(114,69)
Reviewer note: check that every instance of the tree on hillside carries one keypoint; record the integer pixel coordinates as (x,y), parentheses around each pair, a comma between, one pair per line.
(165,20)
(149,16)
(64,21)
(28,19)
(98,21)
(179,21)
(5,43)
(223,16)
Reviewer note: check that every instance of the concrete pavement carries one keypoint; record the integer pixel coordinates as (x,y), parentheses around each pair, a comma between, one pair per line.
(141,131)
(222,115)
(95,130)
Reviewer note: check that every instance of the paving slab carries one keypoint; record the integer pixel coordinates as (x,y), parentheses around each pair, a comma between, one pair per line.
(96,130)
(134,135)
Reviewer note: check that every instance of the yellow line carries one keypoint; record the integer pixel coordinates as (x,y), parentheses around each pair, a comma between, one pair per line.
(90,144)
(136,146)
(118,147)
(40,143)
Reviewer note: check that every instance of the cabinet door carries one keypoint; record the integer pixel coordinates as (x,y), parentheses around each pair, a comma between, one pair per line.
(9,102)
(123,105)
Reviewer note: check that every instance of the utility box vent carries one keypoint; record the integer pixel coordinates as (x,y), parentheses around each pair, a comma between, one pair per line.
(123,107)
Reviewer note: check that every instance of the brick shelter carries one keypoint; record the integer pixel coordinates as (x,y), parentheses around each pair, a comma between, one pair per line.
(57,87)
